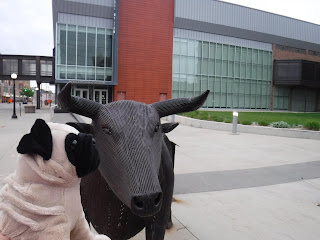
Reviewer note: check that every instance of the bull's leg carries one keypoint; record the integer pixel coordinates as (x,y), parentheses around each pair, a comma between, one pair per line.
(155,232)
(169,223)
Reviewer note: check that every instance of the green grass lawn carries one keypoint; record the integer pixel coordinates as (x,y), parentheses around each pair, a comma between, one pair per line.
(262,118)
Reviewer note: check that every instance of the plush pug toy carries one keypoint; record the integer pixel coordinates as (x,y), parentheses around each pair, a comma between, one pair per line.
(41,200)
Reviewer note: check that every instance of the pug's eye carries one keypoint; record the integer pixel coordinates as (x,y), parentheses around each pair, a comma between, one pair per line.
(74,145)
(157,128)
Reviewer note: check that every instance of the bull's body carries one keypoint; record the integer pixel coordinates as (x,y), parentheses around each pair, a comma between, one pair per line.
(134,186)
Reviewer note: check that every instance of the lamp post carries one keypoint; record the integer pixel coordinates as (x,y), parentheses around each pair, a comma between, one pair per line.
(14,77)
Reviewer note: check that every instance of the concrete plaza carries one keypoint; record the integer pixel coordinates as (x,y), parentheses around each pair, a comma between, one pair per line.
(227,186)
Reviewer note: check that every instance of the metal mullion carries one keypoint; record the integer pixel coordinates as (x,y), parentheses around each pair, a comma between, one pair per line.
(221,76)
(234,79)
(57,52)
(105,55)
(86,53)
(244,94)
(208,78)
(66,51)
(215,74)
(262,79)
(95,57)
(76,52)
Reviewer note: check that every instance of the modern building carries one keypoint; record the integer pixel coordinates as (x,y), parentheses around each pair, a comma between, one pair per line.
(155,50)
(27,67)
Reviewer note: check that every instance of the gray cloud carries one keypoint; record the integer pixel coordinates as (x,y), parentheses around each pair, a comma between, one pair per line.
(26,27)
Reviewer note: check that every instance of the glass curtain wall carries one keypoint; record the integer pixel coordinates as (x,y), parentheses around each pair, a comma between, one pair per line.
(238,77)
(83,53)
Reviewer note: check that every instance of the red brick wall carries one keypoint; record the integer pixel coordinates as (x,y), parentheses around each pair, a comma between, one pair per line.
(286,55)
(145,49)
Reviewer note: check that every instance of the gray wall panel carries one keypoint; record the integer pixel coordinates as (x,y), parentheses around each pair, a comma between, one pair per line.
(231,15)
(108,3)
(84,9)
(221,39)
(242,33)
(85,20)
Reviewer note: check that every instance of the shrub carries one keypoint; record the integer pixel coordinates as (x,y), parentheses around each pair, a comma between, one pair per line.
(246,122)
(263,123)
(228,121)
(313,126)
(280,124)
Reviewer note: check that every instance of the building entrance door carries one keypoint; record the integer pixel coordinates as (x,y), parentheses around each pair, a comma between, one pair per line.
(81,93)
(100,96)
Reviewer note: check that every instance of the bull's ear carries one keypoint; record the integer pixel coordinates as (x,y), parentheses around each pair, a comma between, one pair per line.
(168,127)
(81,127)
(38,141)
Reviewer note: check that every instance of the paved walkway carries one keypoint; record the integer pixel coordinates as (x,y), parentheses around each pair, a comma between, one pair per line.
(227,186)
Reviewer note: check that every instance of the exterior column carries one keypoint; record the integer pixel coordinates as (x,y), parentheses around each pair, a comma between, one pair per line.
(38,95)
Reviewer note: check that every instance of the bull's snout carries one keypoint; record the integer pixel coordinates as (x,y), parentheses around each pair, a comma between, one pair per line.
(147,204)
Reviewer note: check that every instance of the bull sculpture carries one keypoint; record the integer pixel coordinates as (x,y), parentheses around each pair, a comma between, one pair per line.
(133,186)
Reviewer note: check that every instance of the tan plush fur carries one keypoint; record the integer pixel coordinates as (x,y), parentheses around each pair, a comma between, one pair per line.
(41,200)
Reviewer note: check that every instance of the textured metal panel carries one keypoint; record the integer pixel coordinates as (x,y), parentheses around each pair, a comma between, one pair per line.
(242,18)
(84,9)
(242,33)
(85,20)
(221,39)
(108,3)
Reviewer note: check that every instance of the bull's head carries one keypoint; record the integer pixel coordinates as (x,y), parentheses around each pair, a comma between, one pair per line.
(129,138)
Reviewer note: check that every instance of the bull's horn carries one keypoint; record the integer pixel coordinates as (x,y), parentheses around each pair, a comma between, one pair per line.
(77,105)
(180,105)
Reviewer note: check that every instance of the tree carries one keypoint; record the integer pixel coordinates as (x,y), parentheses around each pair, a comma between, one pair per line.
(27,92)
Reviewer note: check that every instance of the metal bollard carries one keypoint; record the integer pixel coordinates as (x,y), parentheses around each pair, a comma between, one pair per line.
(235,123)
(20,108)
(173,116)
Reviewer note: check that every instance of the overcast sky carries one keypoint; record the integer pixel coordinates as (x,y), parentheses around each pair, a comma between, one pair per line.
(26,25)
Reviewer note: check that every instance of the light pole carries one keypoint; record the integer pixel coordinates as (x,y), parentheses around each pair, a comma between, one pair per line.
(14,77)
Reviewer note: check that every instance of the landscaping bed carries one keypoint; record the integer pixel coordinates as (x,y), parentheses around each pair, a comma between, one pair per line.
(310,121)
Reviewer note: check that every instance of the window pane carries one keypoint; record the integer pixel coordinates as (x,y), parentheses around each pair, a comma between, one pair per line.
(45,68)
(205,49)
(100,74)
(81,48)
(71,45)
(109,51)
(29,67)
(91,46)
(81,73)
(10,66)
(71,72)
(191,48)
(62,44)
(184,47)
(100,47)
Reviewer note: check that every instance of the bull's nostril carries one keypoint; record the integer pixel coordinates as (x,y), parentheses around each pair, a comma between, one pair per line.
(138,203)
(157,199)
(93,141)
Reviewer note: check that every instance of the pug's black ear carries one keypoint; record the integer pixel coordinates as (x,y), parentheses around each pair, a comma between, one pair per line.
(81,127)
(38,141)
(168,127)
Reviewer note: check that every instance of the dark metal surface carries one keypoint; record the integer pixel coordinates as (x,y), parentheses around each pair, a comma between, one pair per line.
(134,186)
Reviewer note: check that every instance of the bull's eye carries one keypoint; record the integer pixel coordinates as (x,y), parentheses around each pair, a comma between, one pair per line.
(107,131)
(74,144)
(157,128)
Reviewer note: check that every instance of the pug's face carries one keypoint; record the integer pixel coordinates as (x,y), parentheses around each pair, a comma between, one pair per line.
(63,144)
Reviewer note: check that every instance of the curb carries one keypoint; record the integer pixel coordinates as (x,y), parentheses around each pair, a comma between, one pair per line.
(280,132)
